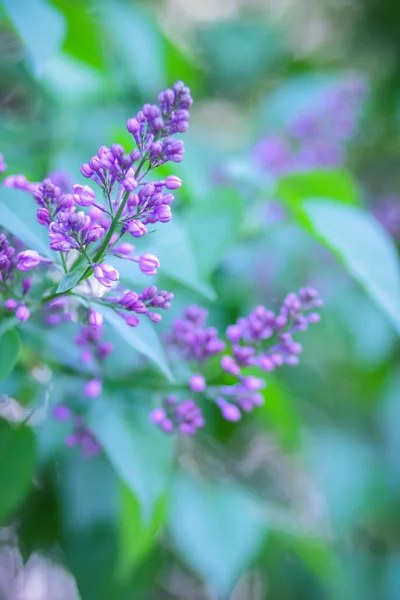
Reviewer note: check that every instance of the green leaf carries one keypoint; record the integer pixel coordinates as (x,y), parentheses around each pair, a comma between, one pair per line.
(325,183)
(218,530)
(213,226)
(138,451)
(10,344)
(17,464)
(41,28)
(8,323)
(142,338)
(140,45)
(136,536)
(366,249)
(18,215)
(172,245)
(70,280)
(84,36)
(280,413)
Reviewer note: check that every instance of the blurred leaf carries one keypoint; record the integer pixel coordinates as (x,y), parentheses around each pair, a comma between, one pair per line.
(70,80)
(137,537)
(346,490)
(364,246)
(41,27)
(18,215)
(217,529)
(138,451)
(238,53)
(84,35)
(8,323)
(140,45)
(172,244)
(281,414)
(17,465)
(10,344)
(214,226)
(71,279)
(142,338)
(324,183)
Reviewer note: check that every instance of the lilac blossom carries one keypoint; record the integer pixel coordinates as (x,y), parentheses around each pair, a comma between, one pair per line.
(193,340)
(184,416)
(84,227)
(317,138)
(262,341)
(3,166)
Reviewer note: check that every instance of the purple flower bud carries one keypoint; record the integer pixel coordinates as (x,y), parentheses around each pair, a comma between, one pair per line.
(132,320)
(26,285)
(22,313)
(266,363)
(172,182)
(124,249)
(167,425)
(93,234)
(83,195)
(96,319)
(61,412)
(229,365)
(163,213)
(230,412)
(43,216)
(148,264)
(158,415)
(234,333)
(106,274)
(10,304)
(92,388)
(105,349)
(136,228)
(253,384)
(29,259)
(133,126)
(154,317)
(86,171)
(197,383)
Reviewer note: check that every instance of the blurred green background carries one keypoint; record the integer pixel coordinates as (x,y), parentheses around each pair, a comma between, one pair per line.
(302,499)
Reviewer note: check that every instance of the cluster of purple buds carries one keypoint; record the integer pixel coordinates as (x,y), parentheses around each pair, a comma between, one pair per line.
(20,182)
(319,137)
(3,165)
(154,126)
(262,340)
(190,336)
(81,435)
(90,340)
(11,264)
(130,304)
(183,416)
(265,340)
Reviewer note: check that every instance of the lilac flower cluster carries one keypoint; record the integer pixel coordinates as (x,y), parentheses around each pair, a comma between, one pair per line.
(85,228)
(3,166)
(81,435)
(184,416)
(12,263)
(192,339)
(263,340)
(317,138)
